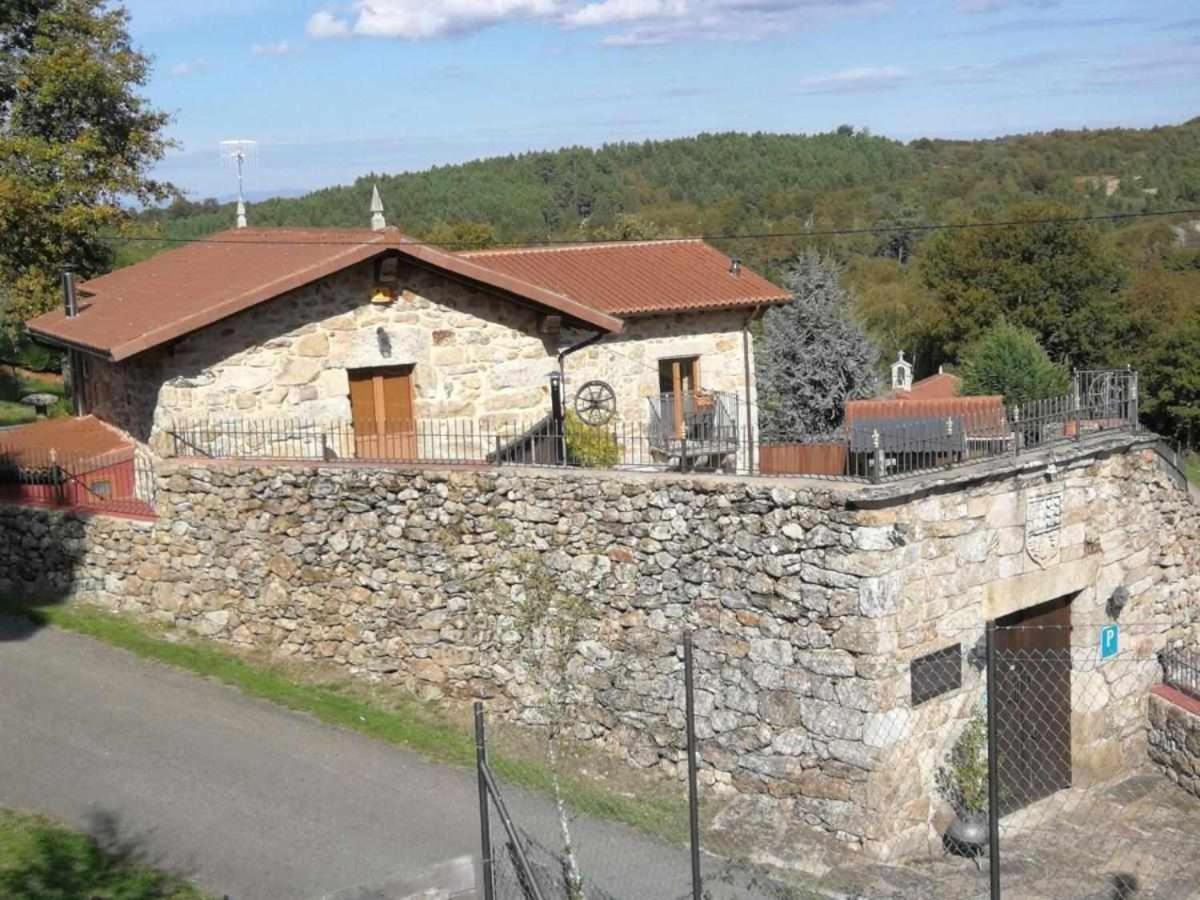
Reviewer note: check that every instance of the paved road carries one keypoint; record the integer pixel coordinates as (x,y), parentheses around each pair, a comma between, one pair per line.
(252,800)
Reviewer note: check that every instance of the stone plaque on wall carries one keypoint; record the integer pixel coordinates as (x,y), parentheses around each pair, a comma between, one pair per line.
(1043,523)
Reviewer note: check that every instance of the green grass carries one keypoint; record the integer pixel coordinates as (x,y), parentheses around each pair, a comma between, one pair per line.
(14,387)
(401,721)
(1192,465)
(40,860)
(15,413)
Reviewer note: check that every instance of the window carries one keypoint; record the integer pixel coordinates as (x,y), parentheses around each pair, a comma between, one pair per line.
(678,380)
(101,489)
(381,407)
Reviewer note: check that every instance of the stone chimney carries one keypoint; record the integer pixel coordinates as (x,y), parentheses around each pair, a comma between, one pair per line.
(378,222)
(902,372)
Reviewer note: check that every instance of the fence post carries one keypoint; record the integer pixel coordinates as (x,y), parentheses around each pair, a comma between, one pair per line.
(485,825)
(693,787)
(993,768)
(1134,399)
(877,457)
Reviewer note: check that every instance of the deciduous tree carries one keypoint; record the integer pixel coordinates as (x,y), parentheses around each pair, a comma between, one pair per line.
(1059,280)
(76,143)
(1170,384)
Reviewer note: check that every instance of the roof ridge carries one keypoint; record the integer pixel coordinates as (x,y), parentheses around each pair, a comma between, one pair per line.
(588,245)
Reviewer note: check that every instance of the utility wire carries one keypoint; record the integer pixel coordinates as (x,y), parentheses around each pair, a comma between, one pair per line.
(887,228)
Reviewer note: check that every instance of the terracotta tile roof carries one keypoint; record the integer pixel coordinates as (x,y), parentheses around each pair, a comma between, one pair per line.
(982,414)
(72,440)
(637,278)
(181,290)
(941,386)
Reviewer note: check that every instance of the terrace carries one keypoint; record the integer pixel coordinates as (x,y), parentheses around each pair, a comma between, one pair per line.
(698,431)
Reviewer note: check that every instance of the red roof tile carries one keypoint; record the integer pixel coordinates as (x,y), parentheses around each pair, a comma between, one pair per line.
(980,413)
(182,290)
(637,278)
(71,439)
(941,386)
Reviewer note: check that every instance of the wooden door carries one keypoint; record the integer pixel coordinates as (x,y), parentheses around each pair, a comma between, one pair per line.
(1033,703)
(678,381)
(381,404)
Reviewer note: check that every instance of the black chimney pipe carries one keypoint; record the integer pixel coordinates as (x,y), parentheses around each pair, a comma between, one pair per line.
(74,358)
(70,300)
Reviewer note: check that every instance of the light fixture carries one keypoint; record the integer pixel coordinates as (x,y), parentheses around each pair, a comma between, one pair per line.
(1117,602)
(383,295)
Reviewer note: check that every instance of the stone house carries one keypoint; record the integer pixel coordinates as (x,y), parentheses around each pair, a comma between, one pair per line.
(372,342)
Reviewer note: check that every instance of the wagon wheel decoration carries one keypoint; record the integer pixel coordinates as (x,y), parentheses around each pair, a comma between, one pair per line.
(596,403)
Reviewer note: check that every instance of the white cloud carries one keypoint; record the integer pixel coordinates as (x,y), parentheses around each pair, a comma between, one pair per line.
(608,12)
(326,25)
(988,6)
(421,19)
(276,48)
(866,79)
(623,22)
(188,67)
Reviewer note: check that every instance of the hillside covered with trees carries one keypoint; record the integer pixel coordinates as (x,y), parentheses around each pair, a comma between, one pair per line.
(750,184)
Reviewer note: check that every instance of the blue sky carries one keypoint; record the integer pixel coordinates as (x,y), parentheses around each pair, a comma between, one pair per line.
(333,89)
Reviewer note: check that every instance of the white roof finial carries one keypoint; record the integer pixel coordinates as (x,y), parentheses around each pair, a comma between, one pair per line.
(901,373)
(378,222)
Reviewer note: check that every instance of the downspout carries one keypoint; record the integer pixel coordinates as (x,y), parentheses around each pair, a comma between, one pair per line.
(563,354)
(562,382)
(749,401)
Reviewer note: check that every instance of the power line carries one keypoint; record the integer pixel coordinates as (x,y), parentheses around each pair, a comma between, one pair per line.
(887,228)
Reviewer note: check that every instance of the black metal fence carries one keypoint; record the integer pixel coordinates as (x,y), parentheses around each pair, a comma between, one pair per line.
(866,449)
(1029,741)
(1181,670)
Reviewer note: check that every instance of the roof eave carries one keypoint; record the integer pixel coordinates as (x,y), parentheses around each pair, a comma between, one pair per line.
(722,306)
(54,340)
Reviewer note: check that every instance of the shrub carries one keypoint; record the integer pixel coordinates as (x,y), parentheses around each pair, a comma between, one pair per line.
(963,780)
(593,448)
(1008,360)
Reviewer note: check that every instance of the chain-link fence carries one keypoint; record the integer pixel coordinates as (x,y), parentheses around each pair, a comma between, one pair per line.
(1021,760)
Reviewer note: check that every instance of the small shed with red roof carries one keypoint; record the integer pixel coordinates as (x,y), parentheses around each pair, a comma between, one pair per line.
(81,463)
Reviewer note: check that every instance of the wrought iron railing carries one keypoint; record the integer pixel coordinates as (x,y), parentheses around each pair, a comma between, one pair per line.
(1181,670)
(699,432)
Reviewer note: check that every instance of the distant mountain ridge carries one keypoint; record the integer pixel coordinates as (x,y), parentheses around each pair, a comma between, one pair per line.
(736,183)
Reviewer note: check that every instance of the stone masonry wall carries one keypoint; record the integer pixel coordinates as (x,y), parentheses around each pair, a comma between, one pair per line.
(973,554)
(809,601)
(1175,740)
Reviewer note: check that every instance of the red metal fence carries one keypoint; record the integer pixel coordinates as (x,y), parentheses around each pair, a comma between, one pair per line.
(117,483)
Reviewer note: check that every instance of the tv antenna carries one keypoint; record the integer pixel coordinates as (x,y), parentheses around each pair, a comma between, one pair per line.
(239,152)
